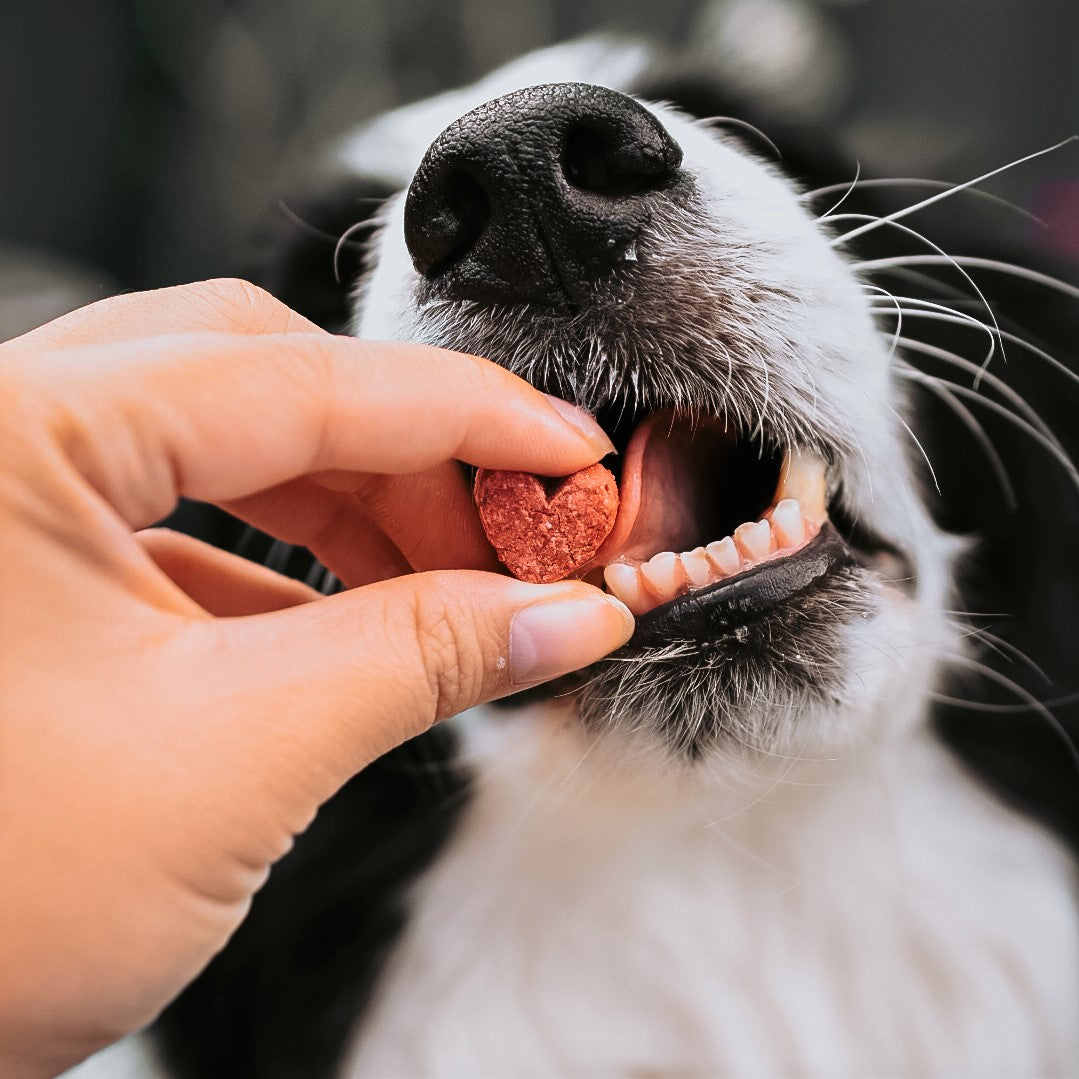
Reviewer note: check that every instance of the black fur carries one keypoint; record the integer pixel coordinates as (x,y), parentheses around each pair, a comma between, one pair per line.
(1022,575)
(282,998)
(294,258)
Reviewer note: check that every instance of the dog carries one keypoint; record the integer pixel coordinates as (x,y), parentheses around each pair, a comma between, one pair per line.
(815,818)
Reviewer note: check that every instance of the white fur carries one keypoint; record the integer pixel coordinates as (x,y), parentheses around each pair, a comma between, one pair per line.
(133,1058)
(596,916)
(391,146)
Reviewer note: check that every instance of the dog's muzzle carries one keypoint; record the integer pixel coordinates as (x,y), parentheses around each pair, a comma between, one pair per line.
(542,213)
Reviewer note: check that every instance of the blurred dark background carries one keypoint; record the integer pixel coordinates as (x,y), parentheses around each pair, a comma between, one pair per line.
(141,140)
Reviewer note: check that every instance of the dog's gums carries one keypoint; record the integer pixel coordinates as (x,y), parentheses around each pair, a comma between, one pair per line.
(778,534)
(729,603)
(679,481)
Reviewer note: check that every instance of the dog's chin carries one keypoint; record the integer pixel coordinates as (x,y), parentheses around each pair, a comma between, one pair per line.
(775,679)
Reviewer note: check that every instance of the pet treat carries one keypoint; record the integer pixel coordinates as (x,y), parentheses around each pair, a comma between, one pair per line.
(543,529)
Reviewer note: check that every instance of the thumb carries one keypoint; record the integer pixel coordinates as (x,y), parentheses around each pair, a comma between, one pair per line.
(330,685)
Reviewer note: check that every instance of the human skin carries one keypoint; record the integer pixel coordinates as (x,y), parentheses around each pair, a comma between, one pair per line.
(171,716)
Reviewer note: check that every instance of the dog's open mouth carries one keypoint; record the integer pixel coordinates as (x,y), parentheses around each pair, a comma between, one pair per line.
(716,529)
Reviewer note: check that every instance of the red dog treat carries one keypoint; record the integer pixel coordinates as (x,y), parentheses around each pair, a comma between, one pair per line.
(544,529)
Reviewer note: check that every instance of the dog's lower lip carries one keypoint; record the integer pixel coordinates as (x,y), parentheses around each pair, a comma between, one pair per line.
(713,611)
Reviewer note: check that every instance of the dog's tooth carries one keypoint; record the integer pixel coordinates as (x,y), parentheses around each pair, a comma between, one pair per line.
(698,569)
(663,575)
(802,478)
(754,540)
(787,524)
(625,584)
(724,556)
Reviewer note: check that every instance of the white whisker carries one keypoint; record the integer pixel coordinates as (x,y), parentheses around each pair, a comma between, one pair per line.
(948,186)
(940,314)
(894,305)
(845,188)
(1049,445)
(915,308)
(1003,647)
(1025,695)
(368,223)
(928,281)
(999,385)
(870,226)
(975,262)
(943,254)
(1006,709)
(970,421)
(710,121)
(921,448)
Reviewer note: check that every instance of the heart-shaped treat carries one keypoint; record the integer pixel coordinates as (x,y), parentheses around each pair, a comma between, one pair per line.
(543,529)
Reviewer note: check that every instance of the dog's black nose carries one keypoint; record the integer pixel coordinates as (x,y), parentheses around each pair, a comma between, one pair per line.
(535,195)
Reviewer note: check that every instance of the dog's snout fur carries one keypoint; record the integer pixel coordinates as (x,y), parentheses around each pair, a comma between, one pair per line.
(536,195)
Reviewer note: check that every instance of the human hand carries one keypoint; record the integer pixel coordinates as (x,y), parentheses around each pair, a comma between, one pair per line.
(172,716)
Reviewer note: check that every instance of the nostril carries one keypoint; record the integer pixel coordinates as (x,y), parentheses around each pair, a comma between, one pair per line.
(605,162)
(534,197)
(457,216)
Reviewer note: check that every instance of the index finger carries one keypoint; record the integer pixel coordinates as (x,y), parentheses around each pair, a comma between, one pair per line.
(219,417)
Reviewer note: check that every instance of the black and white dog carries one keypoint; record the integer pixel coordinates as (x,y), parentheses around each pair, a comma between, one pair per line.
(814,820)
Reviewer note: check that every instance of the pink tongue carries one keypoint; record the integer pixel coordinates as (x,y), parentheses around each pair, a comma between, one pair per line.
(668,489)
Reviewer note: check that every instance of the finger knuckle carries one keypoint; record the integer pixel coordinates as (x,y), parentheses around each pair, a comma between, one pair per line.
(242,303)
(450,651)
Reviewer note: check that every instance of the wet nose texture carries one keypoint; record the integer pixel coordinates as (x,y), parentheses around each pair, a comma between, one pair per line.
(534,196)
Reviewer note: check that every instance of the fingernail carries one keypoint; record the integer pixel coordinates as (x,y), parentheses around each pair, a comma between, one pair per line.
(557,636)
(581,421)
